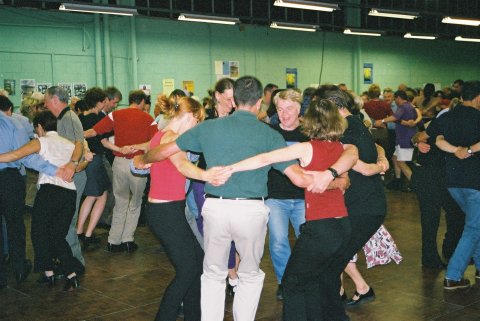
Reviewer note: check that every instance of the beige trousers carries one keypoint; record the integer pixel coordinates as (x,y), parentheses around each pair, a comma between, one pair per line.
(245,222)
(128,191)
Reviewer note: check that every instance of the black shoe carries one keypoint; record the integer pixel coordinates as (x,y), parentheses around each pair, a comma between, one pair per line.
(89,241)
(50,280)
(130,247)
(6,258)
(362,298)
(115,248)
(344,298)
(454,285)
(22,276)
(71,284)
(81,237)
(279,293)
(93,239)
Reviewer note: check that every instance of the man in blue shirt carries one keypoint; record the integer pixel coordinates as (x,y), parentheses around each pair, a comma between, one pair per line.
(12,194)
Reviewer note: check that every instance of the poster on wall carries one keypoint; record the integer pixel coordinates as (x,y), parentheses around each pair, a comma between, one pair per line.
(27,87)
(227,68)
(9,86)
(146,88)
(368,73)
(291,77)
(68,88)
(189,85)
(168,86)
(43,86)
(79,90)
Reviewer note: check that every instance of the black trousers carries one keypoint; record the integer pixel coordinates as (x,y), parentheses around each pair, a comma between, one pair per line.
(306,290)
(429,185)
(52,214)
(167,221)
(364,225)
(12,207)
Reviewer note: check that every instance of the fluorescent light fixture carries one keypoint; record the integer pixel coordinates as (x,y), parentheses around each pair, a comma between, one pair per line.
(208,19)
(294,26)
(308,5)
(393,14)
(93,8)
(460,38)
(363,32)
(424,36)
(461,21)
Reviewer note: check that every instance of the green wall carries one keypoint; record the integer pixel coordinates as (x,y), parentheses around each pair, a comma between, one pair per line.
(60,47)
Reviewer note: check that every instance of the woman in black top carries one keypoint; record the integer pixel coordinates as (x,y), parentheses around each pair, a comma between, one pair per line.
(97,179)
(365,199)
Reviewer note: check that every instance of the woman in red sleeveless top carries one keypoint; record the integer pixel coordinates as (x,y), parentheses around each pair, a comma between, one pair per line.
(166,212)
(326,231)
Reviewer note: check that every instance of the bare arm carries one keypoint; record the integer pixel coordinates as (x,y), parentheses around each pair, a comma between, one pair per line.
(29,148)
(346,161)
(215,175)
(109,145)
(160,152)
(90,133)
(295,151)
(298,176)
(369,169)
(459,151)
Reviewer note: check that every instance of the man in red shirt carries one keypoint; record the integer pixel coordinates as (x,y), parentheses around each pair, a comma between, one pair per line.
(131,126)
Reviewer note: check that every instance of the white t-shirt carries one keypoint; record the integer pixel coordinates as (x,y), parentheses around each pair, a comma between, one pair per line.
(57,150)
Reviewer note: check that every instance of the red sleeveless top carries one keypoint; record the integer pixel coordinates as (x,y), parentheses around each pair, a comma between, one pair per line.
(330,203)
(166,182)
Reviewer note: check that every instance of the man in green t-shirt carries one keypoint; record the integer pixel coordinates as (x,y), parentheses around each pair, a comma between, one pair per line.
(236,210)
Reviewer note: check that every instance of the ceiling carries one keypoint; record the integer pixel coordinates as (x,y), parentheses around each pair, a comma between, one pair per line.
(353,13)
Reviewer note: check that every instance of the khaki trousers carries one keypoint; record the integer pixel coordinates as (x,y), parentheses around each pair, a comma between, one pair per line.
(127,190)
(245,222)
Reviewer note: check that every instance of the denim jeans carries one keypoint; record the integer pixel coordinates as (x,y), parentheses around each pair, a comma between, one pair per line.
(469,244)
(283,211)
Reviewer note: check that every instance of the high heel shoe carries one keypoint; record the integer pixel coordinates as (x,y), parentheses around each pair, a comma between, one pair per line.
(50,280)
(71,284)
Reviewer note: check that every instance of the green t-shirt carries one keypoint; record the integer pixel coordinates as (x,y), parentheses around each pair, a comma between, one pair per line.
(227,140)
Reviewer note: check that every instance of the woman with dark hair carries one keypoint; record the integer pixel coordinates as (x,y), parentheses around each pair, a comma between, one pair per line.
(365,200)
(327,229)
(97,179)
(427,102)
(54,204)
(222,100)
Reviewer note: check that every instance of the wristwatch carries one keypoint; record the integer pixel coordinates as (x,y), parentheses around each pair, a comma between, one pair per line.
(469,150)
(74,162)
(334,172)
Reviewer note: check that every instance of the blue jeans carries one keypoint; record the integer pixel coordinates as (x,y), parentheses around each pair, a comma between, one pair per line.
(283,211)
(469,244)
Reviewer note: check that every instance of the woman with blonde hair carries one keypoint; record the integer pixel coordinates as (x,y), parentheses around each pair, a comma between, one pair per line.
(166,211)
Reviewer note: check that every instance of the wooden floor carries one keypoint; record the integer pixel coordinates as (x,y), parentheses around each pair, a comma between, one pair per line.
(125,286)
